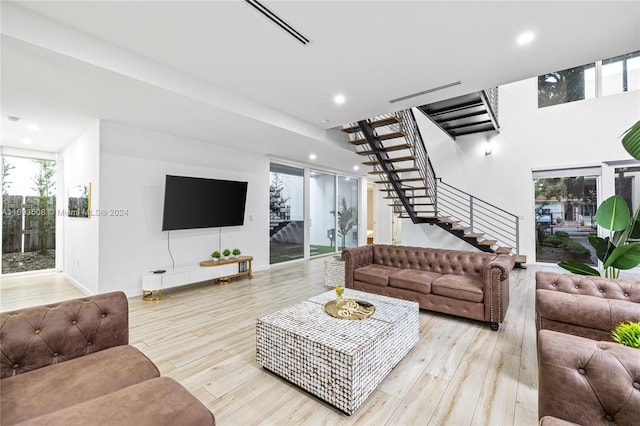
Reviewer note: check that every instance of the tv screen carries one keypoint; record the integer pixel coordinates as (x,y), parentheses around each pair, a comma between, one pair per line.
(191,203)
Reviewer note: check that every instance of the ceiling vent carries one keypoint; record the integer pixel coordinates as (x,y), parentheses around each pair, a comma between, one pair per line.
(424,92)
(278,21)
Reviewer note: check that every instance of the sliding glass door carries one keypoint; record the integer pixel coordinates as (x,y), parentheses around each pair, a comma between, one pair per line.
(565,208)
(286,205)
(322,236)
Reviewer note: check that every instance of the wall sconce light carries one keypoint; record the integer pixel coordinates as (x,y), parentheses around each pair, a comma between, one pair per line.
(487,148)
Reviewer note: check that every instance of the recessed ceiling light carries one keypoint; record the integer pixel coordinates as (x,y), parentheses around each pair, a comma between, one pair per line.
(356,167)
(325,121)
(312,156)
(26,141)
(339,99)
(33,127)
(525,38)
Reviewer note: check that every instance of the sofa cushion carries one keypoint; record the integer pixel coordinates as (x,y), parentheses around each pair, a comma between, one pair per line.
(57,386)
(461,287)
(414,280)
(585,311)
(374,274)
(156,402)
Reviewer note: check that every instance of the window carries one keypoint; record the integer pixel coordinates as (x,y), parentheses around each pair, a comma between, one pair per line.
(601,78)
(621,74)
(572,84)
(565,208)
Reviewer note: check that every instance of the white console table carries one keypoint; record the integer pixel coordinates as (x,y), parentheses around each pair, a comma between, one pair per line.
(221,271)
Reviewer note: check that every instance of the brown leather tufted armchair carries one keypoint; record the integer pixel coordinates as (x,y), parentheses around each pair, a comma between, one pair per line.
(587,382)
(585,306)
(70,363)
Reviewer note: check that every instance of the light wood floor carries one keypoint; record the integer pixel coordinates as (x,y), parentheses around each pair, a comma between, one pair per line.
(459,373)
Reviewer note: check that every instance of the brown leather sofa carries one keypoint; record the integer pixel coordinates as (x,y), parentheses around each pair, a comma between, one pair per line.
(581,381)
(585,306)
(70,363)
(468,284)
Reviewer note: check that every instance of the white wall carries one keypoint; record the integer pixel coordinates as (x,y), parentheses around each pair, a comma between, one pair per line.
(426,235)
(133,165)
(81,165)
(575,134)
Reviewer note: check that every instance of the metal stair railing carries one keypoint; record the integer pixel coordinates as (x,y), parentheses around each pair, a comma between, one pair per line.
(479,216)
(409,125)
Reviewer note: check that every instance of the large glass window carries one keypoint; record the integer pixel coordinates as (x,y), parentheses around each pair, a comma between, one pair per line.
(613,75)
(322,214)
(28,214)
(286,206)
(565,209)
(621,74)
(626,186)
(572,84)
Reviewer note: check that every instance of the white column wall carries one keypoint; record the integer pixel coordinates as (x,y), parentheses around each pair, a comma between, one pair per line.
(81,165)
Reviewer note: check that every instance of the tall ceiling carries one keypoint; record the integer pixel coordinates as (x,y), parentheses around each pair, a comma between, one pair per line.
(220,72)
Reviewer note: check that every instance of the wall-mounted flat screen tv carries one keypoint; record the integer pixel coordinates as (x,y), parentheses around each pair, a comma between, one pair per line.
(191,203)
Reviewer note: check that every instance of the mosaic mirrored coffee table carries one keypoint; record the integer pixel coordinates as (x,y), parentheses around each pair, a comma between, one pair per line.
(340,361)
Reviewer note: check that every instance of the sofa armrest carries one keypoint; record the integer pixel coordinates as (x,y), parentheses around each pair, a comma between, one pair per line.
(355,258)
(587,382)
(496,288)
(502,264)
(35,337)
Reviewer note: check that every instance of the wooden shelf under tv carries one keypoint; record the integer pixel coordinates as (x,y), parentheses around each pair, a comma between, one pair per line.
(239,260)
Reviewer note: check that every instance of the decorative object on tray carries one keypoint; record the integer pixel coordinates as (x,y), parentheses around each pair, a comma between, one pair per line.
(349,309)
(339,293)
(215,256)
(236,252)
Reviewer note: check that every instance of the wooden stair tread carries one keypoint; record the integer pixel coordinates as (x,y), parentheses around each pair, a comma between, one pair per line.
(386,149)
(375,123)
(503,250)
(474,235)
(406,188)
(390,160)
(403,170)
(413,179)
(382,137)
(487,243)
(521,258)
(396,197)
(459,228)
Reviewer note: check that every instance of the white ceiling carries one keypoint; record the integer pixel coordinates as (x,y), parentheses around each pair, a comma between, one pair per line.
(220,72)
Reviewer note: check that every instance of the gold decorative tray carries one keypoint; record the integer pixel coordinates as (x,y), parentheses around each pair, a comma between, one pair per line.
(350,309)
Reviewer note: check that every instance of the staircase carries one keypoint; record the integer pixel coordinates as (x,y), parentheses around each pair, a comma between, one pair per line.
(394,149)
(464,115)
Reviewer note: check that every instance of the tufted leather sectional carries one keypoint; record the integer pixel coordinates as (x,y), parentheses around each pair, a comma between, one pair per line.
(585,382)
(468,284)
(70,363)
(585,306)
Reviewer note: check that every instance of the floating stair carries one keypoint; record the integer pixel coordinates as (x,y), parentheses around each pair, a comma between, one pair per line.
(463,115)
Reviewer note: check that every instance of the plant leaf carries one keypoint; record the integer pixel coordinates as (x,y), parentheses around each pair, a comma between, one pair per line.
(613,214)
(631,140)
(578,268)
(602,245)
(624,257)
